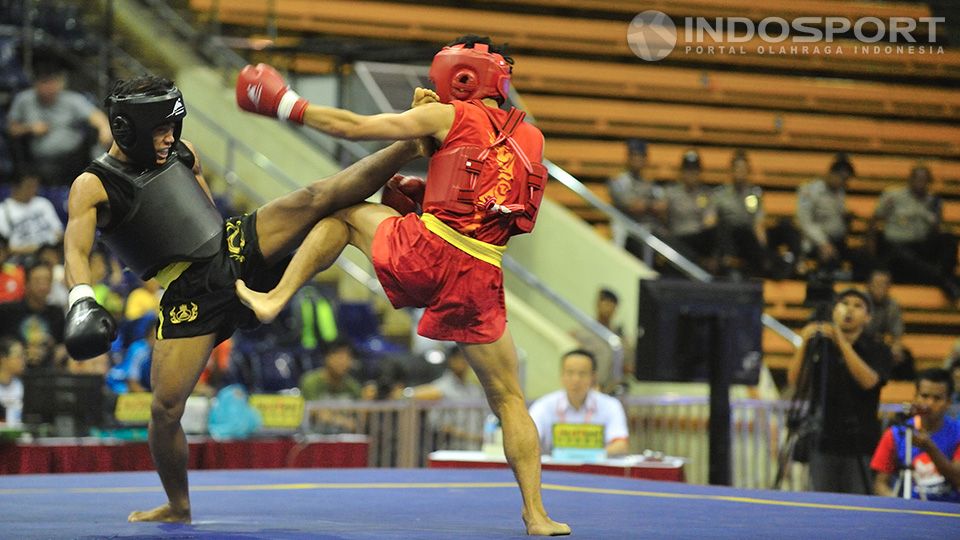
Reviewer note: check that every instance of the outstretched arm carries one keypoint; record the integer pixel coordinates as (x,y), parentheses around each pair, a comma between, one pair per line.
(432,120)
(261,89)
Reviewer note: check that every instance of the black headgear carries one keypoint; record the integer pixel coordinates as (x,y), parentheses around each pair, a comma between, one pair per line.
(691,160)
(133,118)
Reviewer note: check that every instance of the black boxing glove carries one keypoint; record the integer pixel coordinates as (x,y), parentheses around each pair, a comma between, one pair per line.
(89,329)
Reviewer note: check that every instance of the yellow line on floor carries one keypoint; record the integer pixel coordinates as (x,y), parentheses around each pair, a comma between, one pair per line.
(268,487)
(746,500)
(484,485)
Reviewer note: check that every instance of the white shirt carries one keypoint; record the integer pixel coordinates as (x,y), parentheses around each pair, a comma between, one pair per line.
(555,408)
(11,397)
(30,224)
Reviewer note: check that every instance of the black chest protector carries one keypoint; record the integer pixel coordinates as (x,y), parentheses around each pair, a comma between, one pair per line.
(170,218)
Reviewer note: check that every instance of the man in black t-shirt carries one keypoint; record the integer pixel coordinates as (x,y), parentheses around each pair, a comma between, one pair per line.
(847,368)
(36,323)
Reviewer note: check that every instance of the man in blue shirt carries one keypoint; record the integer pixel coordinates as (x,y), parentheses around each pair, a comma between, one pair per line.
(935,455)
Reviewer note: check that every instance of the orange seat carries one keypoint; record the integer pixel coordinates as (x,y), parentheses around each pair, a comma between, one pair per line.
(551,33)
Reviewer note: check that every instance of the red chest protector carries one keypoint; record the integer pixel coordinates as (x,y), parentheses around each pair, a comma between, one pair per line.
(456,174)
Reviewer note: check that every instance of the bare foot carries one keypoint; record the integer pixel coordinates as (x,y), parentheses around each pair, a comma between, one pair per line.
(264,307)
(163,513)
(544,526)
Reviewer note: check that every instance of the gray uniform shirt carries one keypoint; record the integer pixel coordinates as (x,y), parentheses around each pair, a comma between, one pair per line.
(687,210)
(820,212)
(65,118)
(626,189)
(886,318)
(738,207)
(907,218)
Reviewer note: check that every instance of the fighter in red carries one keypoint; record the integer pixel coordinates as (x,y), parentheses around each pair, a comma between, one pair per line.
(484,185)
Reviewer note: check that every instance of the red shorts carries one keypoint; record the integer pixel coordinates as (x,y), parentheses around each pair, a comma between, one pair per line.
(463,296)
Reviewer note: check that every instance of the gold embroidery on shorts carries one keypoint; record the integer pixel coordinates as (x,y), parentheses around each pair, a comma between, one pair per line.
(183,313)
(235,240)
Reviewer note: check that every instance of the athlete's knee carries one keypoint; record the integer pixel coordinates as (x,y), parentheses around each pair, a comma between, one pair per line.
(166,410)
(502,399)
(318,196)
(348,215)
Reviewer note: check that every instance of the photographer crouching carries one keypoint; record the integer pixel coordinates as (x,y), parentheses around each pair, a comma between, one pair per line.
(842,369)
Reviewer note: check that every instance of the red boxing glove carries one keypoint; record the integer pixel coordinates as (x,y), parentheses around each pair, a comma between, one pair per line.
(262,90)
(404,193)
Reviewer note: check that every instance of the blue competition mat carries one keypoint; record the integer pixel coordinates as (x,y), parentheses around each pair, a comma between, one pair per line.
(446,503)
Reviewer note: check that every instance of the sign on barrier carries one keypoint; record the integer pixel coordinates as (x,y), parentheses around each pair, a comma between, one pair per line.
(278,412)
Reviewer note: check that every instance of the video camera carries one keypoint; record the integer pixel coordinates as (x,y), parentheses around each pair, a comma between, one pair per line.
(820,296)
(907,411)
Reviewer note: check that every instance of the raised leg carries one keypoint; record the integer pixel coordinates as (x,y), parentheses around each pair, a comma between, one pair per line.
(355,225)
(282,224)
(496,366)
(176,366)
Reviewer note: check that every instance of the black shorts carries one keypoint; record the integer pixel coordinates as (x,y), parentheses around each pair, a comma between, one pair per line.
(203,299)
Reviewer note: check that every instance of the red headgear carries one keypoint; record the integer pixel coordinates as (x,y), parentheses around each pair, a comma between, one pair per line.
(462,73)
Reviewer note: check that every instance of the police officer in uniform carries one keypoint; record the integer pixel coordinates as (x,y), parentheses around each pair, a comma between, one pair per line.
(743,238)
(635,195)
(691,214)
(915,249)
(149,201)
(824,221)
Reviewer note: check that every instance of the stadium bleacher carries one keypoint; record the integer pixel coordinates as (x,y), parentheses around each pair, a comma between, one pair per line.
(588,92)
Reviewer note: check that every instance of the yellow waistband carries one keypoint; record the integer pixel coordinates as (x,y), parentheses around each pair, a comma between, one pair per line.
(471,246)
(171,272)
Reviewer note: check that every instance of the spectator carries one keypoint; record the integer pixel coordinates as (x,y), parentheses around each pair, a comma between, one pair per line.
(132,374)
(216,374)
(332,382)
(57,122)
(103,279)
(935,453)
(144,301)
(579,403)
(742,236)
(954,370)
(460,429)
(634,194)
(887,324)
(823,220)
(52,256)
(691,215)
(607,302)
(914,248)
(11,275)
(11,388)
(27,219)
(36,323)
(851,369)
(390,384)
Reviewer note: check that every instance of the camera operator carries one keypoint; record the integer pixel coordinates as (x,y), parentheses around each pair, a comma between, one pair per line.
(935,444)
(847,368)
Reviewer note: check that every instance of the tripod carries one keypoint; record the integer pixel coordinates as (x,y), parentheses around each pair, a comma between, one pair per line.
(904,481)
(805,414)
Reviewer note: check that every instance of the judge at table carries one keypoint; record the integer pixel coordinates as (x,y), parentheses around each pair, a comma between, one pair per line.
(579,403)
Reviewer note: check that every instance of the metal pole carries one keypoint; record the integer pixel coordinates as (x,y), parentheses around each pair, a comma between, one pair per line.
(908,463)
